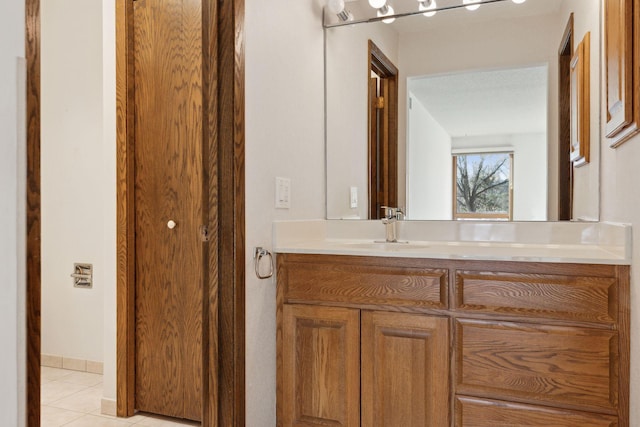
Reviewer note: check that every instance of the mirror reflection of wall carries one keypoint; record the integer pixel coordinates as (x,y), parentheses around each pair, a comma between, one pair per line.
(497,36)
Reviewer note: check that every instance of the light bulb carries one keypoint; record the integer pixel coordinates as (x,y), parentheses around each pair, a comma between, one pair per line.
(472,4)
(427,7)
(386,11)
(337,7)
(377,4)
(518,1)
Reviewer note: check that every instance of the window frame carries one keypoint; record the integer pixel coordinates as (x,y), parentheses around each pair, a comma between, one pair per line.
(508,216)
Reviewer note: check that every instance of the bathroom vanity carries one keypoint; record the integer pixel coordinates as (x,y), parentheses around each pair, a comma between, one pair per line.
(482,332)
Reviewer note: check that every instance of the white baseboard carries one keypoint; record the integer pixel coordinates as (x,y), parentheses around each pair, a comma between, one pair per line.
(108,407)
(73,364)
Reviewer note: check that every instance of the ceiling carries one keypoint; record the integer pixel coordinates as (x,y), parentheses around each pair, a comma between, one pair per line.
(486,102)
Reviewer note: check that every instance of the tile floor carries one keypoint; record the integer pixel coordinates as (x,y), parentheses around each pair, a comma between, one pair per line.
(72,399)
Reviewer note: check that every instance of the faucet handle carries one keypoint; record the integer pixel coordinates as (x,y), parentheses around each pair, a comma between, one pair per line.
(392,213)
(388,212)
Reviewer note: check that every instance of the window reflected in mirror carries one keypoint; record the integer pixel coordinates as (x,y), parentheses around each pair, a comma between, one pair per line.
(482,187)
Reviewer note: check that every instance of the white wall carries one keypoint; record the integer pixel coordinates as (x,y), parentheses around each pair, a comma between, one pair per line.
(347,65)
(12,238)
(284,137)
(529,169)
(73,177)
(429,167)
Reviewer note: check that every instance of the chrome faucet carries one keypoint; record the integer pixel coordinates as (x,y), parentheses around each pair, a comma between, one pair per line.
(389,219)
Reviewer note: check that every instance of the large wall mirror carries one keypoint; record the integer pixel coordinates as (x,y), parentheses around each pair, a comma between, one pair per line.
(472,86)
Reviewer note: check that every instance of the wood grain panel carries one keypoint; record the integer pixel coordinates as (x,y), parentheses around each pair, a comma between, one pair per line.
(405,370)
(342,281)
(624,341)
(34,213)
(622,68)
(211,310)
(580,298)
(322,359)
(618,64)
(168,186)
(125,215)
(227,137)
(567,366)
(493,413)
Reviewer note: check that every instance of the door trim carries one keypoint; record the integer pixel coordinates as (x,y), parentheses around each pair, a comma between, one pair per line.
(565,166)
(383,67)
(33,294)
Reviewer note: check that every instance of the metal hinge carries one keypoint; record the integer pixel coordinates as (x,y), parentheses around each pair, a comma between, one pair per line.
(380,102)
(204,233)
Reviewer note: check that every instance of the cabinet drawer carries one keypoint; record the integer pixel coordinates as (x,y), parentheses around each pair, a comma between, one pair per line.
(491,413)
(579,298)
(362,284)
(559,365)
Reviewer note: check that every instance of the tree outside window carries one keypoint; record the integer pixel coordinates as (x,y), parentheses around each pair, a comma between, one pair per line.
(482,188)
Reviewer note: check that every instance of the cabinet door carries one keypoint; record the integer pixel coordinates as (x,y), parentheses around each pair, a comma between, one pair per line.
(321,366)
(405,370)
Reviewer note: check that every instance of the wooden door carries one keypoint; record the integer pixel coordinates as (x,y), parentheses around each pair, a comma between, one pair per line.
(168,207)
(321,366)
(405,370)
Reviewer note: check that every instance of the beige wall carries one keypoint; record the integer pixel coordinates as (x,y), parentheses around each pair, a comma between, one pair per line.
(73,178)
(284,138)
(621,203)
(12,213)
(347,64)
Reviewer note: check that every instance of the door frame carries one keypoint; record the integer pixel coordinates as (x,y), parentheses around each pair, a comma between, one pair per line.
(384,68)
(565,166)
(223,136)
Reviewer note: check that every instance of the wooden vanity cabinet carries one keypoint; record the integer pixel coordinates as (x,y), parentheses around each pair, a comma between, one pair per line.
(347,357)
(368,341)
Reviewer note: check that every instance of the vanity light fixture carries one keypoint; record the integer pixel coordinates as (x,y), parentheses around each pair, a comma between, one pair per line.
(337,7)
(427,6)
(518,1)
(386,10)
(472,4)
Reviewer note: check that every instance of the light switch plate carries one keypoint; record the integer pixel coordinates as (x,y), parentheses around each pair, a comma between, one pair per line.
(353,198)
(283,193)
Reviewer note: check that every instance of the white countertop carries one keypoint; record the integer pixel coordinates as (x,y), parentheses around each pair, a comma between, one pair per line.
(567,242)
